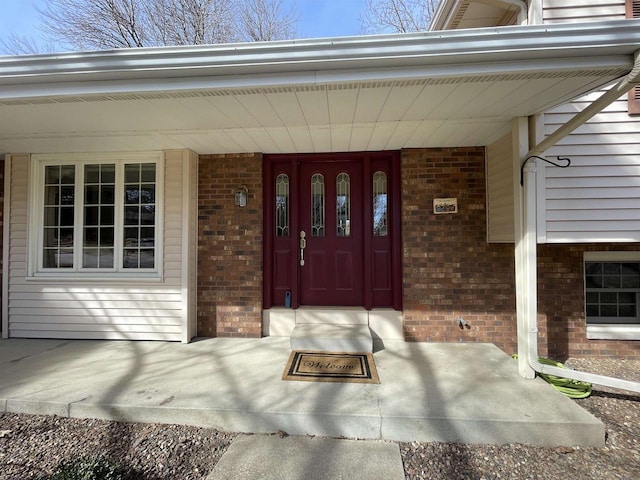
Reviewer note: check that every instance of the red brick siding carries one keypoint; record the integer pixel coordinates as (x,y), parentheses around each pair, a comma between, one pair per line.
(229,246)
(561,315)
(450,270)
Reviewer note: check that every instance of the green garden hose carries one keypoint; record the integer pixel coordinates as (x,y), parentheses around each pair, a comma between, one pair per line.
(569,387)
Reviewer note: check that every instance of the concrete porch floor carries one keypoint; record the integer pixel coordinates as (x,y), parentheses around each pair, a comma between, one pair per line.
(462,392)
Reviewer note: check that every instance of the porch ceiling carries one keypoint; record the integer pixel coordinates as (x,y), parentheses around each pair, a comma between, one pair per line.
(436,89)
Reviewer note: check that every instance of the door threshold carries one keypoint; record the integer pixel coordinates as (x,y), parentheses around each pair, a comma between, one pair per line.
(329,307)
(332,315)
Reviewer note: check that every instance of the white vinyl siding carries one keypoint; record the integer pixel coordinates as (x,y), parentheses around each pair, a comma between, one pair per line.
(563,11)
(596,199)
(101,307)
(500,190)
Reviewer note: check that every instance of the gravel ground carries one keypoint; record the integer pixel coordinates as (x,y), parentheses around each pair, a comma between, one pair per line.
(32,446)
(619,459)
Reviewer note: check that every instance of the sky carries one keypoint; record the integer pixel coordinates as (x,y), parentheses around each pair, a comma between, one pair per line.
(318,18)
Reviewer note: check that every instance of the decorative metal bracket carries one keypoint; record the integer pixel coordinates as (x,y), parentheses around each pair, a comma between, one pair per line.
(560,159)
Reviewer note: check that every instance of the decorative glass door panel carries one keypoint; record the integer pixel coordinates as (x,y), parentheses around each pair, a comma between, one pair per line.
(317,205)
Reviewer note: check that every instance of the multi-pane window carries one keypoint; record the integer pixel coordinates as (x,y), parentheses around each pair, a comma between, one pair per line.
(58,222)
(139,215)
(612,290)
(98,216)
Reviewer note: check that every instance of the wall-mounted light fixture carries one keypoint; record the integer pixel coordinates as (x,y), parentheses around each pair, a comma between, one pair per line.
(241,194)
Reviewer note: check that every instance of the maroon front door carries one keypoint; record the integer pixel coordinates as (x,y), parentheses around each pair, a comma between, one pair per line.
(330,233)
(332,230)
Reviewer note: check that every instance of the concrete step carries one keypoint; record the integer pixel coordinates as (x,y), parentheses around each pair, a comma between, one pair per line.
(332,338)
(252,456)
(332,315)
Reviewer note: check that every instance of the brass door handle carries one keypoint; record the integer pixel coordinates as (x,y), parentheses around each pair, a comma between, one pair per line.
(303,245)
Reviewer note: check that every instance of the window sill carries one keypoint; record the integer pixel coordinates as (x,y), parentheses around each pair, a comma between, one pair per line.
(613,332)
(93,278)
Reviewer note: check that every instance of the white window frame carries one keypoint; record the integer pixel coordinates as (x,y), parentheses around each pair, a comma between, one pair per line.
(609,331)
(35,267)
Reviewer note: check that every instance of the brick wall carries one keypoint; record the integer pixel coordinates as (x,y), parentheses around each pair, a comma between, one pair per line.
(561,316)
(450,270)
(229,246)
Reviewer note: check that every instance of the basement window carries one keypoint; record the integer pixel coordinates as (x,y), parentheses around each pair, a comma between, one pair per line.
(95,215)
(612,295)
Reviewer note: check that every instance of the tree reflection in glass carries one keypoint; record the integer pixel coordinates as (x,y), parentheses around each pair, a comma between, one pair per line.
(380,204)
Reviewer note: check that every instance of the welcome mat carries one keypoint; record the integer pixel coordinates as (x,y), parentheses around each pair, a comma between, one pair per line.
(331,367)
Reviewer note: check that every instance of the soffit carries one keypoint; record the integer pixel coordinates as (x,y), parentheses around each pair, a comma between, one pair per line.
(483,14)
(465,14)
(440,103)
(354,116)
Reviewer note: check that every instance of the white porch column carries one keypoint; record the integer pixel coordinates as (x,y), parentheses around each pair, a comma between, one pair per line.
(524,199)
(6,244)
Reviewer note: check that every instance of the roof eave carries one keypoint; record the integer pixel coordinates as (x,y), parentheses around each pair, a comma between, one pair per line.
(442,16)
(320,61)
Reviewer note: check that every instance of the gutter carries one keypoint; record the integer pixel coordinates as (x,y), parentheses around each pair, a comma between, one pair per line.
(527,317)
(321,60)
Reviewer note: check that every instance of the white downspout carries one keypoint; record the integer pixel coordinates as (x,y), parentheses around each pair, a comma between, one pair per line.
(526,257)
(523,10)
(6,244)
